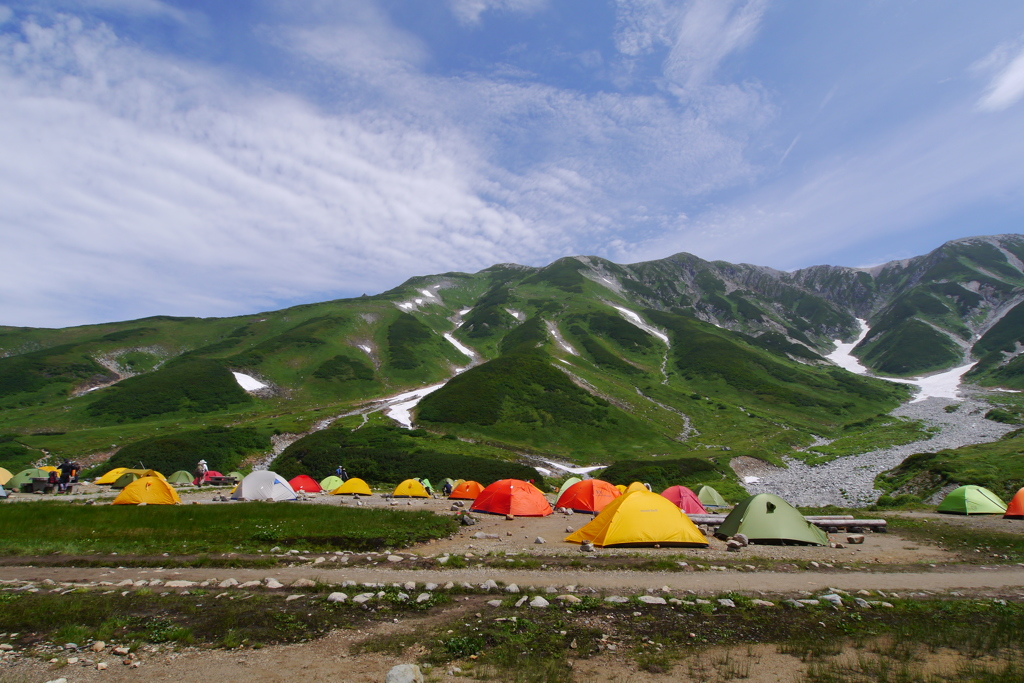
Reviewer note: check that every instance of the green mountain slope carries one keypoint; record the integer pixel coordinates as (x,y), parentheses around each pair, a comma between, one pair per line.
(582,360)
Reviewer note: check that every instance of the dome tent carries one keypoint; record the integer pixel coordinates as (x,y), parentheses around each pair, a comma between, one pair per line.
(1015,510)
(206,477)
(25,477)
(684,499)
(512,497)
(306,483)
(766,518)
(568,482)
(128,476)
(640,518)
(353,487)
(5,476)
(111,476)
(180,477)
(330,483)
(972,500)
(148,490)
(410,488)
(263,485)
(711,498)
(591,495)
(467,490)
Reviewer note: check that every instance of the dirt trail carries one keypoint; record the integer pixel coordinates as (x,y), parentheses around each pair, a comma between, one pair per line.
(604,581)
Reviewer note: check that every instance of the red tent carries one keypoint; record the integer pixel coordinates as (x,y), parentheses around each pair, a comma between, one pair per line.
(1015,510)
(467,490)
(684,499)
(209,473)
(512,496)
(306,483)
(589,495)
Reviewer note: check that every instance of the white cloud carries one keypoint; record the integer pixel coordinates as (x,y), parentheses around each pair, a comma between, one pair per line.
(1007,84)
(5,14)
(709,31)
(470,11)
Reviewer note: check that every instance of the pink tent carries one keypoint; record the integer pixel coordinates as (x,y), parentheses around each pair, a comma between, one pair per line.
(684,499)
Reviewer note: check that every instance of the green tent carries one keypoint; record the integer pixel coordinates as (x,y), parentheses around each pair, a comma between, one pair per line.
(766,518)
(239,476)
(26,477)
(330,483)
(180,477)
(972,500)
(427,485)
(709,497)
(568,482)
(124,480)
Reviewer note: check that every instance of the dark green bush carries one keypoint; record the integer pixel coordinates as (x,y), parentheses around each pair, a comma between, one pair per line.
(222,448)
(30,372)
(660,475)
(405,335)
(343,369)
(195,386)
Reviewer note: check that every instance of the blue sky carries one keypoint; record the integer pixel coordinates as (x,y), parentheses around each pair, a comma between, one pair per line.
(218,158)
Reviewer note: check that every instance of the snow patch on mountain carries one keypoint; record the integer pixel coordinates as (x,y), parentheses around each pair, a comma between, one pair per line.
(635,319)
(247,382)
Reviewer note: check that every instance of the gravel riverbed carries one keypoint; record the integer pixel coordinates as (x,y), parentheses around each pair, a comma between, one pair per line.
(850,480)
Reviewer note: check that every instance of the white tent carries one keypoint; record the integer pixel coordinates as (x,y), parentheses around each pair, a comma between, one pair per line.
(264,485)
(3,493)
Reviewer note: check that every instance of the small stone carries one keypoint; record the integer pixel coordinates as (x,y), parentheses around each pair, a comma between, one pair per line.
(510,517)
(409,586)
(862,603)
(570,599)
(422,597)
(6,647)
(443,559)
(227,583)
(794,603)
(250,584)
(448,586)
(888,604)
(855,539)
(482,536)
(362,598)
(294,597)
(494,603)
(403,596)
(395,558)
(814,564)
(833,598)
(762,603)
(71,646)
(274,584)
(304,583)
(652,600)
(58,680)
(742,539)
(101,666)
(180,584)
(404,673)
(539,540)
(539,602)
(811,602)
(726,602)
(839,546)
(586,547)
(702,601)
(732,545)
(337,597)
(512,588)
(488,585)
(120,651)
(98,646)
(618,599)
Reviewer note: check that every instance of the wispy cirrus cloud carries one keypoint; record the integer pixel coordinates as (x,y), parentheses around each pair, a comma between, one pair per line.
(1006,86)
(470,11)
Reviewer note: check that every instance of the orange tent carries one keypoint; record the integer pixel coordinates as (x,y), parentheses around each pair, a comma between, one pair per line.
(512,497)
(685,499)
(590,495)
(1015,510)
(467,490)
(306,483)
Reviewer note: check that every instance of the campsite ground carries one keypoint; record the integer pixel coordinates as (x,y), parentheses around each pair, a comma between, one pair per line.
(930,588)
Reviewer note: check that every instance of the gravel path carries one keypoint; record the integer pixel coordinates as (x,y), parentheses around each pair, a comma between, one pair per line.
(849,481)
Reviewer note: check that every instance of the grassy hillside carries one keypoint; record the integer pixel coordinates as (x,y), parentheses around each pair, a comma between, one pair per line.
(221,447)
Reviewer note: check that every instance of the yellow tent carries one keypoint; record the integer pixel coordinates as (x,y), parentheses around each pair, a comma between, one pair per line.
(111,476)
(621,488)
(636,486)
(49,468)
(5,476)
(410,488)
(641,518)
(352,486)
(148,490)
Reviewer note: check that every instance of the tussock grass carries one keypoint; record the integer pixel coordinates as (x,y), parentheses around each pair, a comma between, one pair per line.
(45,527)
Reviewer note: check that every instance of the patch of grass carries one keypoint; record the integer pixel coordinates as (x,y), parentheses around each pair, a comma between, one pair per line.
(222,448)
(195,529)
(993,547)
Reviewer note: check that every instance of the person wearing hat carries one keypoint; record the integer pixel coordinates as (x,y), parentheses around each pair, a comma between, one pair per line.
(201,470)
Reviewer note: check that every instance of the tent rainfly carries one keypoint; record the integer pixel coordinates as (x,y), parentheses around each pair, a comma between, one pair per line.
(467,490)
(1015,510)
(26,477)
(512,497)
(641,518)
(306,483)
(263,485)
(711,498)
(568,482)
(180,477)
(148,490)
(5,476)
(111,476)
(972,500)
(591,495)
(766,518)
(410,488)
(353,487)
(685,499)
(330,483)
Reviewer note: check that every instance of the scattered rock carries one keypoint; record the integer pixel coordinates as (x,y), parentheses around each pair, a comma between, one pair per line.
(120,651)
(794,603)
(98,646)
(512,588)
(304,583)
(488,585)
(337,597)
(404,673)
(227,583)
(762,603)
(855,539)
(539,602)
(862,603)
(494,603)
(726,602)
(101,666)
(742,538)
(570,599)
(616,599)
(539,540)
(732,545)
(653,600)
(395,558)
(422,597)
(833,598)
(180,584)
(274,583)
(294,597)
(586,547)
